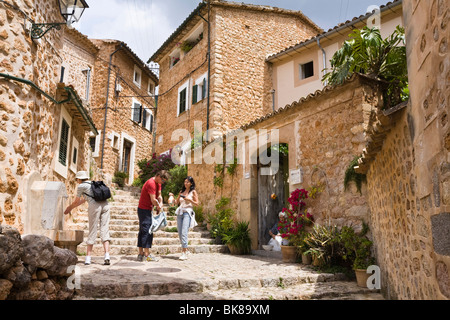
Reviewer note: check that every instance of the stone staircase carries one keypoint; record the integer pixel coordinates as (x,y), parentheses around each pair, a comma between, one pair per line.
(124,228)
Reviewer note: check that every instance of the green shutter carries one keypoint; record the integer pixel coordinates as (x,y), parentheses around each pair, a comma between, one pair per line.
(144,117)
(182,107)
(151,123)
(194,94)
(64,143)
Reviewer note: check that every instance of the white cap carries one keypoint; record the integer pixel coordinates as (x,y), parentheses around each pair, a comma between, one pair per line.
(82,175)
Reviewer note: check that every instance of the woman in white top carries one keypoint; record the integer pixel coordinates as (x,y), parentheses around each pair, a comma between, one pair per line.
(187,199)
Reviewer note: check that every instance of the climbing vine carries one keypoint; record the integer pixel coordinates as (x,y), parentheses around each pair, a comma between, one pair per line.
(352,175)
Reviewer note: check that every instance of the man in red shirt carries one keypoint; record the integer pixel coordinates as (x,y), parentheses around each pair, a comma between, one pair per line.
(150,196)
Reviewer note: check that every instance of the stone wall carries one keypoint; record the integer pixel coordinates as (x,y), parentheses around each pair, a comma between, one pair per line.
(408,180)
(241,39)
(119,109)
(29,121)
(32,268)
(324,133)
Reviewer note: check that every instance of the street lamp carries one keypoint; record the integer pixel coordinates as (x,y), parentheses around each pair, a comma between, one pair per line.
(71,11)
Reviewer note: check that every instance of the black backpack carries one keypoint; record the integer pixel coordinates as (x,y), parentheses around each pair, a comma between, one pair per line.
(100,191)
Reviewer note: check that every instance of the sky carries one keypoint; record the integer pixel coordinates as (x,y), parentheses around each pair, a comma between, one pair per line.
(144,25)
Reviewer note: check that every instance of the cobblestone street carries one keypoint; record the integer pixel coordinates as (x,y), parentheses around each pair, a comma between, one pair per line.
(213,276)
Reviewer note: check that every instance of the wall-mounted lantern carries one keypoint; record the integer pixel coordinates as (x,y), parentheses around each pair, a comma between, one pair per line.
(71,11)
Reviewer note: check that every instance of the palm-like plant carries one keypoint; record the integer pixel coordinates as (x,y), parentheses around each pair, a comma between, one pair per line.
(368,53)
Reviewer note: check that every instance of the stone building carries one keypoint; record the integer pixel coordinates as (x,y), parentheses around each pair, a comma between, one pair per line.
(241,38)
(407,163)
(45,122)
(56,105)
(124,111)
(298,70)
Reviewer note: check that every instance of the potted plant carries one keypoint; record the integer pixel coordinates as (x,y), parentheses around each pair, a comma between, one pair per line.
(293,224)
(303,247)
(238,238)
(322,244)
(358,252)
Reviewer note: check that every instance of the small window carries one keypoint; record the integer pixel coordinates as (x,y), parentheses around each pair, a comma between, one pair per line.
(151,88)
(136,112)
(92,143)
(147,119)
(306,70)
(137,76)
(174,58)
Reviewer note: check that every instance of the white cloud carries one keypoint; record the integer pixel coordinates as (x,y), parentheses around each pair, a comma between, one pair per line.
(142,25)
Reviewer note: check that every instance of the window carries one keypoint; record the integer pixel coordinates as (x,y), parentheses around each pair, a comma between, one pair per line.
(137,76)
(147,119)
(74,157)
(174,57)
(62,160)
(199,90)
(63,143)
(150,88)
(306,70)
(195,97)
(94,143)
(115,138)
(182,101)
(136,111)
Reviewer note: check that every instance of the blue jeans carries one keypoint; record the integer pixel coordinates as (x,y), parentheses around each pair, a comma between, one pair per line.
(183,222)
(145,239)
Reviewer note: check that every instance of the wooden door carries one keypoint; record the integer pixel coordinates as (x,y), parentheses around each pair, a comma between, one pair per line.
(269,208)
(126,156)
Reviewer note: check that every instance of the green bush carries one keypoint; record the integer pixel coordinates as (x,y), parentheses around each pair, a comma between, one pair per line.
(239,237)
(222,220)
(177,176)
(119,178)
(199,214)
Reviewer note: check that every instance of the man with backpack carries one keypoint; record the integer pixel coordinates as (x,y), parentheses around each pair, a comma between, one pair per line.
(98,212)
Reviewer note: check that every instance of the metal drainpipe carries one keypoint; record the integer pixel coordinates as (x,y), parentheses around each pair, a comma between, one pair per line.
(209,68)
(154,125)
(106,104)
(324,55)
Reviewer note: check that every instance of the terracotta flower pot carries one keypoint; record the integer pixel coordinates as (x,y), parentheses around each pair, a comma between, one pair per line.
(306,258)
(361,277)
(289,253)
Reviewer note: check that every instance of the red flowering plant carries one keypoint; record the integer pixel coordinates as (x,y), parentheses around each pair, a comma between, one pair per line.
(296,217)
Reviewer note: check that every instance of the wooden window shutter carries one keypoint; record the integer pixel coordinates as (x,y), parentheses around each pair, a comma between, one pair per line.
(151,123)
(64,143)
(144,118)
(137,111)
(194,94)
(182,106)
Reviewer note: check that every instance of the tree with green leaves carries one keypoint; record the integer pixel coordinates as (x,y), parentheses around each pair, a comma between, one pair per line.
(383,59)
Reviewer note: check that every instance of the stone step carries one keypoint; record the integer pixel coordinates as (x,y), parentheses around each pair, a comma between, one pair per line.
(116,249)
(223,277)
(172,240)
(336,290)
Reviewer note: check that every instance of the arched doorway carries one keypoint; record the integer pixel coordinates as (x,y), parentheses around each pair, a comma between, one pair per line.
(268,185)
